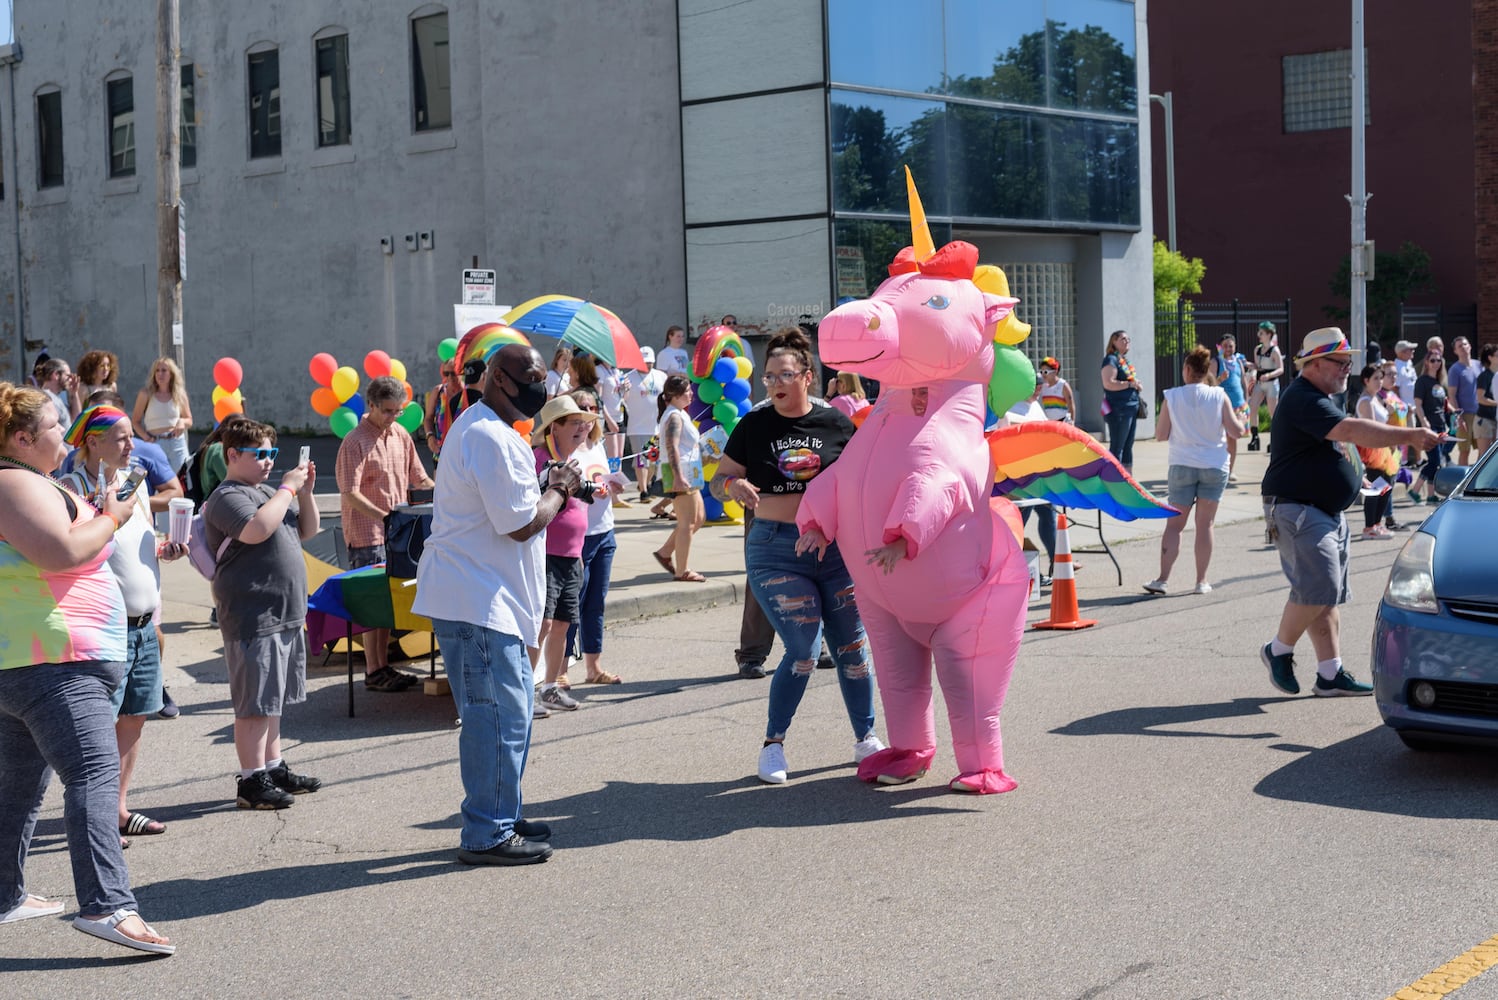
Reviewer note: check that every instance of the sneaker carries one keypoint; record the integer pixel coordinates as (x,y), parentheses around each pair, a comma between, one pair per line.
(752,669)
(1155,586)
(258,791)
(213,618)
(1268,538)
(825,661)
(514,850)
(169,709)
(866,747)
(1045,581)
(1281,670)
(1340,686)
(1393,525)
(1203,588)
(388,680)
(772,764)
(555,698)
(538,711)
(287,780)
(1372,534)
(1432,500)
(1232,479)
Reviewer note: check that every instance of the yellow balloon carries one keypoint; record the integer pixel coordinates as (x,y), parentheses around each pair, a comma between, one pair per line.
(345,383)
(397,370)
(219,392)
(746,367)
(709,470)
(732,509)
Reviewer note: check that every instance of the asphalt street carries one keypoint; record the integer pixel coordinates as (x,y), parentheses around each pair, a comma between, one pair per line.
(1180,830)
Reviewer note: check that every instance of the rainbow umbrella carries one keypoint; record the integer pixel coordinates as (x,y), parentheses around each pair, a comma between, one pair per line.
(586,325)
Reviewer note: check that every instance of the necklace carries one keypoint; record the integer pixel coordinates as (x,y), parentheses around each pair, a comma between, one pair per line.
(28,468)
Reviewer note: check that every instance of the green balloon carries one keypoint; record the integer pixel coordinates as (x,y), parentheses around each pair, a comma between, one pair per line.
(1013,378)
(710,392)
(410,417)
(343,420)
(725,413)
(448,349)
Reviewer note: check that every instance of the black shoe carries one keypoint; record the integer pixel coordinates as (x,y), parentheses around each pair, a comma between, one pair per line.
(825,661)
(514,851)
(752,669)
(258,791)
(1253,445)
(1394,525)
(532,831)
(213,618)
(169,709)
(288,780)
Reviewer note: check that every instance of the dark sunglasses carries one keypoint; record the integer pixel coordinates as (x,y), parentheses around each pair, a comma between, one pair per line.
(447,373)
(261,454)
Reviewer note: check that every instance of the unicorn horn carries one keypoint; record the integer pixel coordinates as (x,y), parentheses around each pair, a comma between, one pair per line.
(920,233)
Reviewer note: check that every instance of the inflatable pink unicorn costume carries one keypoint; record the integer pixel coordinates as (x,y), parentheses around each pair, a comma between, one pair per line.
(944,578)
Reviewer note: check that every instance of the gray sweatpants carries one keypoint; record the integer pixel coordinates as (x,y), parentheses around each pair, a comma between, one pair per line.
(58,717)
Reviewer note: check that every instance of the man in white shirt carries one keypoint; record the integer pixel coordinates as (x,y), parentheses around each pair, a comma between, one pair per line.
(482,581)
(639,404)
(1404,371)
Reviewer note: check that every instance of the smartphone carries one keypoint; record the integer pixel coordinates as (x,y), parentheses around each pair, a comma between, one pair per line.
(305,456)
(131,484)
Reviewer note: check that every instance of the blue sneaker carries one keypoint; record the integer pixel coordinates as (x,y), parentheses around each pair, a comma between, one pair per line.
(1281,670)
(1341,686)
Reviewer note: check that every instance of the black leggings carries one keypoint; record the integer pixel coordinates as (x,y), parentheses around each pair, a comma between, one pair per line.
(1375,509)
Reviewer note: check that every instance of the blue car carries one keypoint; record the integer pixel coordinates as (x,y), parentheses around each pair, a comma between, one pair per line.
(1435,639)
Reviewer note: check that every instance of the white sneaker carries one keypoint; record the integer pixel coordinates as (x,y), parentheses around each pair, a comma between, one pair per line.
(866,747)
(538,711)
(554,698)
(1155,586)
(772,764)
(1203,588)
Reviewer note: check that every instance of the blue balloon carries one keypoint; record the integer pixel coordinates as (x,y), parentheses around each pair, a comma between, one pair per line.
(744,407)
(356,404)
(736,390)
(726,370)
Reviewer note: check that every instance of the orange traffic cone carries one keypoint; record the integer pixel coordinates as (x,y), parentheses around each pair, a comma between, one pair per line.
(1064,612)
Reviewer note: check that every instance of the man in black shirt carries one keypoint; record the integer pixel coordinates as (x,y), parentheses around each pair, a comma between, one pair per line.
(1309,482)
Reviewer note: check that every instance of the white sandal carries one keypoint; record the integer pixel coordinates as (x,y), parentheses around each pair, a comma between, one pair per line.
(47,908)
(108,929)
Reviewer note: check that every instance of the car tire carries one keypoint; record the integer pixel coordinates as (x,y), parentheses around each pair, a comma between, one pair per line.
(1422,742)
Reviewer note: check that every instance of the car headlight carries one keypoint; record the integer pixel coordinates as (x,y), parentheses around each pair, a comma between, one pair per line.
(1412,584)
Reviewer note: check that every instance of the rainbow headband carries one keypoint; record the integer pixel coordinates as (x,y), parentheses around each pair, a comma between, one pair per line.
(1331,347)
(93,420)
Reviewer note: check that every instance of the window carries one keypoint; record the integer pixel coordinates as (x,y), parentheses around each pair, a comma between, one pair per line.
(49,139)
(121,104)
(265,103)
(1317,92)
(431,79)
(187,133)
(332,91)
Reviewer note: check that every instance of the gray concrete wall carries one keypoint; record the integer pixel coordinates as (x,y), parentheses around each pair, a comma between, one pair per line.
(562,170)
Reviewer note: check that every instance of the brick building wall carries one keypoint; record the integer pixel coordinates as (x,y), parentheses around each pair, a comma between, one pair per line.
(1485,161)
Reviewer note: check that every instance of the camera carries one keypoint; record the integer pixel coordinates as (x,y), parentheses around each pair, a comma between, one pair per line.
(586,490)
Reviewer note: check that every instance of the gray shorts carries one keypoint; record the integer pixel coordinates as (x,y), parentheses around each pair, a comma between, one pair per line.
(1485,428)
(1313,552)
(360,556)
(267,673)
(1186,484)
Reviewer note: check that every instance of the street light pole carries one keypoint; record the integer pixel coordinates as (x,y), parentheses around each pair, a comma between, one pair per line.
(1362,250)
(168,181)
(1166,102)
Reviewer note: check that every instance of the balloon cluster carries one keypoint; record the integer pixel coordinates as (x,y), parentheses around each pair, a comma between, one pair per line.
(227,399)
(720,371)
(337,396)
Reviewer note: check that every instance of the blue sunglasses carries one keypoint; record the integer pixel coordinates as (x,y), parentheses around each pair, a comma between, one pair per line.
(261,454)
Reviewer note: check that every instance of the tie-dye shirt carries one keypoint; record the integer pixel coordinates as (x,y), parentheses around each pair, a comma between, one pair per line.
(62,617)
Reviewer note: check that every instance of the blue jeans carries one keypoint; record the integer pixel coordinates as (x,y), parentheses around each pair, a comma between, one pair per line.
(58,717)
(493,687)
(800,595)
(1122,421)
(598,564)
(1045,525)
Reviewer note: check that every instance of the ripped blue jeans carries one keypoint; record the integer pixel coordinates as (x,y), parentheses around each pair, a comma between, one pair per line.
(800,596)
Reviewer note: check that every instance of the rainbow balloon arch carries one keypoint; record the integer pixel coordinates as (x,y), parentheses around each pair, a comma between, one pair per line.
(720,398)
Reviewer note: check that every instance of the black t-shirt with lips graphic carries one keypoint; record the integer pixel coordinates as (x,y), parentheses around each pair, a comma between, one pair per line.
(781,455)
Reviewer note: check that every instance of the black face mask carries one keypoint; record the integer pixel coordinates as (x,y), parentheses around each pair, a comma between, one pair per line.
(530,398)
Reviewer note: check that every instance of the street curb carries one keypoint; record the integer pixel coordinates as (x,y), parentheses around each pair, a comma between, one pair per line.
(676,600)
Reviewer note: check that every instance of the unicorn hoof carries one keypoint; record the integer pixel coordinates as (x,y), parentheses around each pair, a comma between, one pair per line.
(983,783)
(898,779)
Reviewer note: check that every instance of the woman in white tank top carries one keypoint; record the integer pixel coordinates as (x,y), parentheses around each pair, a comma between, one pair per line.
(1196,419)
(162,413)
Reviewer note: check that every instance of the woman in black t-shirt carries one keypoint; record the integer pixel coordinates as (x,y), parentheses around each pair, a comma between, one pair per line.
(1430,411)
(800,582)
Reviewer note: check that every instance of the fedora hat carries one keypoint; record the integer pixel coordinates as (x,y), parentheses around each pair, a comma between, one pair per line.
(1321,343)
(556,409)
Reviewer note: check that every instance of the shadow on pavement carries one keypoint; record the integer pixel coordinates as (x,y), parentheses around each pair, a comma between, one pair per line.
(1374,772)
(1146,721)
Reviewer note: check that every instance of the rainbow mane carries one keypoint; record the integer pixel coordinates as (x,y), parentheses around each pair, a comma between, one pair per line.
(717,342)
(478,342)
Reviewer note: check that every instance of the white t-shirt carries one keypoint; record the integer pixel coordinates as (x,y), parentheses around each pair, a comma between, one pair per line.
(594,462)
(608,392)
(673,360)
(1404,380)
(639,401)
(472,570)
(1197,439)
(132,557)
(557,383)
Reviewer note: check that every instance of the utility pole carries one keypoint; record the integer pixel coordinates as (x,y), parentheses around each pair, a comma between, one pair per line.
(1362,250)
(168,182)
(1167,101)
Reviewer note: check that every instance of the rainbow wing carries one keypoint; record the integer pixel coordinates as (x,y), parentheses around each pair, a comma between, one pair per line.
(1063,464)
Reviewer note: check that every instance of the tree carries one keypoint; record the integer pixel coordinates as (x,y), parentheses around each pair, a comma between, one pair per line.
(1396,277)
(1175,275)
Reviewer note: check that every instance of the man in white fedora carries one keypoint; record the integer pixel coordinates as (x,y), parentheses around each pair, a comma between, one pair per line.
(1309,483)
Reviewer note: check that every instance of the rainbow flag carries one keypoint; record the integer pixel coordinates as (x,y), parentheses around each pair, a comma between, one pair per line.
(1063,464)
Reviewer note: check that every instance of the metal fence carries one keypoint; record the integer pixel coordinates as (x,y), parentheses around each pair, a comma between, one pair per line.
(1188,324)
(1419,323)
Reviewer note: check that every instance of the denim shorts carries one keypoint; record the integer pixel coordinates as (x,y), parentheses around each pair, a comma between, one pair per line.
(1186,484)
(139,692)
(360,556)
(1313,552)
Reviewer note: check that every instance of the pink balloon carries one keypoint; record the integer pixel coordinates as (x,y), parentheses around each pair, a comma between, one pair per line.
(376,364)
(227,373)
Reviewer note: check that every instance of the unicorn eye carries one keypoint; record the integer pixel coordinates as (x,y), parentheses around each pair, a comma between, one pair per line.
(938,302)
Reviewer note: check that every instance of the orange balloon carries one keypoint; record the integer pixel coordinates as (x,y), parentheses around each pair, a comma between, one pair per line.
(224,407)
(524,427)
(410,393)
(324,401)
